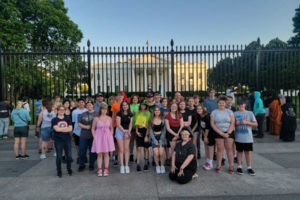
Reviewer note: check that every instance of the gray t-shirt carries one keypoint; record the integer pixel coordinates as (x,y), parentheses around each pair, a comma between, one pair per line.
(87,118)
(222,119)
(243,133)
(210,105)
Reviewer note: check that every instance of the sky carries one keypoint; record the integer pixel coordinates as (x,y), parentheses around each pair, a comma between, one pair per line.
(188,22)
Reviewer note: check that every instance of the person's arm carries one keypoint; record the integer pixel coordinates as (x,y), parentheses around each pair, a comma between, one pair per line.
(181,126)
(111,126)
(214,127)
(195,127)
(163,135)
(84,126)
(94,126)
(40,119)
(28,118)
(252,121)
(130,125)
(188,122)
(173,168)
(232,124)
(119,124)
(63,129)
(169,129)
(187,162)
(151,133)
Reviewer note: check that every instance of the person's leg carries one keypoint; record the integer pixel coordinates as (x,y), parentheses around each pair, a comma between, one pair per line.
(68,152)
(195,137)
(58,146)
(198,143)
(172,144)
(92,156)
(248,158)
(146,153)
(121,151)
(156,156)
(229,151)
(16,145)
(220,151)
(23,145)
(211,152)
(186,177)
(99,160)
(1,127)
(126,150)
(239,158)
(138,155)
(167,150)
(161,156)
(173,176)
(83,143)
(6,125)
(131,144)
(106,160)
(260,121)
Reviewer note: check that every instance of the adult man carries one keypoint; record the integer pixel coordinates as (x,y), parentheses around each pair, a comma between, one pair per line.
(211,103)
(86,137)
(230,92)
(99,102)
(4,119)
(177,97)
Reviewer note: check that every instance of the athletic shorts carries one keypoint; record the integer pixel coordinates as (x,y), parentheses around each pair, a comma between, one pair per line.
(211,139)
(240,147)
(76,139)
(140,141)
(21,131)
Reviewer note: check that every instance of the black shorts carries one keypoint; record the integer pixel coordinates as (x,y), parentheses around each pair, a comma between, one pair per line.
(218,136)
(21,131)
(76,139)
(140,141)
(240,147)
(211,139)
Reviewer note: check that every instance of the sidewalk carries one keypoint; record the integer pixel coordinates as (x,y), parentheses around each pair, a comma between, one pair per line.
(277,166)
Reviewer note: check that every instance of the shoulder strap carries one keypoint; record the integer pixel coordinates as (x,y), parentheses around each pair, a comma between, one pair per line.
(21,118)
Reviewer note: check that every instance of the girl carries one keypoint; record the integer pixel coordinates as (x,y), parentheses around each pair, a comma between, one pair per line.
(123,129)
(102,130)
(174,125)
(222,122)
(186,115)
(157,132)
(194,125)
(134,108)
(141,122)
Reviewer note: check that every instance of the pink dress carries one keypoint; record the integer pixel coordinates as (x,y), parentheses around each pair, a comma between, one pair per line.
(103,141)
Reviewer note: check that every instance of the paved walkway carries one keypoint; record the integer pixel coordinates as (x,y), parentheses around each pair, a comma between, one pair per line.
(277,166)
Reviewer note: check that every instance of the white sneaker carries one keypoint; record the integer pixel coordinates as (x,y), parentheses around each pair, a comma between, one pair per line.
(54,154)
(42,157)
(158,171)
(162,169)
(122,170)
(127,170)
(207,166)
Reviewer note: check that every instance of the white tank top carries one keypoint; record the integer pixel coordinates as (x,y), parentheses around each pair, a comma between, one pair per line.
(47,118)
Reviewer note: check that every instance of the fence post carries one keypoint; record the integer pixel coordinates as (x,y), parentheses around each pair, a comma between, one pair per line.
(1,75)
(89,67)
(172,69)
(258,52)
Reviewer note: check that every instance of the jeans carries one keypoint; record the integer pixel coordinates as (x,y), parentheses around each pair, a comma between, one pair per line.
(198,140)
(260,120)
(4,123)
(61,145)
(83,145)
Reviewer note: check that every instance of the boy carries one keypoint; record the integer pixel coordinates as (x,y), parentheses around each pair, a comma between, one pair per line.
(243,136)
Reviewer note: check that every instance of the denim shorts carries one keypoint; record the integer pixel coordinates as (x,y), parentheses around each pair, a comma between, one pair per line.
(119,134)
(157,137)
(46,134)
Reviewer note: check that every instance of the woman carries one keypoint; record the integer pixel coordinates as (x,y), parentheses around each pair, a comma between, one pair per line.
(157,132)
(184,164)
(222,122)
(134,108)
(275,114)
(103,143)
(207,136)
(44,121)
(194,125)
(186,115)
(66,104)
(20,117)
(174,125)
(141,123)
(289,123)
(62,126)
(123,130)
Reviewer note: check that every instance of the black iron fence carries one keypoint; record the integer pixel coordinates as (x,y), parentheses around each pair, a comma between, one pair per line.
(192,70)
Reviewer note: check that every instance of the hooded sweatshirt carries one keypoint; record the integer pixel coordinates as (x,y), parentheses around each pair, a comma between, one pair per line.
(258,104)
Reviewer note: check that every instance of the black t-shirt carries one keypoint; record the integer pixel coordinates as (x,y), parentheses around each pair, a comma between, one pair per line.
(151,108)
(186,115)
(194,117)
(182,152)
(4,110)
(204,122)
(125,120)
(65,122)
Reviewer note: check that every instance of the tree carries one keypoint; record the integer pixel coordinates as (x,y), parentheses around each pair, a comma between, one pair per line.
(295,40)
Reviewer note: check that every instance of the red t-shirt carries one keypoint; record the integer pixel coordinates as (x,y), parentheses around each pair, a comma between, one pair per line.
(173,122)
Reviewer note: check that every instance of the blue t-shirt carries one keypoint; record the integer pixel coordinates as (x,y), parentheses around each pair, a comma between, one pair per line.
(65,122)
(243,133)
(165,111)
(38,106)
(210,105)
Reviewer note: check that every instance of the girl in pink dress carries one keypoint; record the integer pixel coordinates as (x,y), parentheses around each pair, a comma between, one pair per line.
(102,130)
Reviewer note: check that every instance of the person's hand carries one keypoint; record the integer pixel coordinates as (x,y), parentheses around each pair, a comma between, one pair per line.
(38,129)
(156,143)
(173,169)
(245,122)
(226,135)
(205,140)
(126,135)
(138,134)
(146,139)
(88,127)
(180,172)
(237,122)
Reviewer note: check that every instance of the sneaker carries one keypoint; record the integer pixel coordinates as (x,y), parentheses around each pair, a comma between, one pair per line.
(158,170)
(231,171)
(215,156)
(223,161)
(70,172)
(195,176)
(138,168)
(18,157)
(122,170)
(239,171)
(146,167)
(162,169)
(5,137)
(54,155)
(131,159)
(106,172)
(235,159)
(251,172)
(42,157)
(127,170)
(207,166)
(99,173)
(81,168)
(218,169)
(25,156)
(59,174)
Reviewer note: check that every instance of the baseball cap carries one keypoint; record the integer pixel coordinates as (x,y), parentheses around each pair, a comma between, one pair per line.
(99,95)
(241,101)
(149,95)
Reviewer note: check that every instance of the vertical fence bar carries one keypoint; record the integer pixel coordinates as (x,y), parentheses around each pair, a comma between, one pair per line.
(172,69)
(1,75)
(89,67)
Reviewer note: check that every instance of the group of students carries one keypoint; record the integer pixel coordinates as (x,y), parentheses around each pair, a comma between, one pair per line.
(171,128)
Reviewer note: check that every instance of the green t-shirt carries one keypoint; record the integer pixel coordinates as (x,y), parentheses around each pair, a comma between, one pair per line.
(134,108)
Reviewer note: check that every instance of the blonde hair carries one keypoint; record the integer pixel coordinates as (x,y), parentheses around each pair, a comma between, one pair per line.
(19,105)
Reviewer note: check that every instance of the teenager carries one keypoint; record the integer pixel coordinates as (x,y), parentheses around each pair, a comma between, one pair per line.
(134,108)
(99,102)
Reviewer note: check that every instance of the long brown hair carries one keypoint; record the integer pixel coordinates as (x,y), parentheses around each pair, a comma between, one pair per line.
(49,106)
(177,111)
(205,112)
(153,115)
(101,108)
